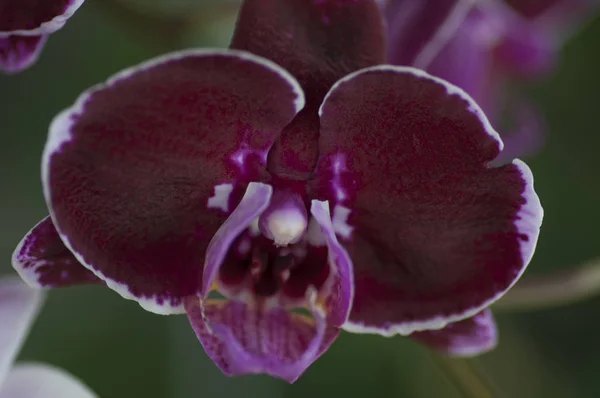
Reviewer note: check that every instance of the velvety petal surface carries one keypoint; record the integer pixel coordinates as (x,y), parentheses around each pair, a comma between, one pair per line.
(418,29)
(471,336)
(19,305)
(19,52)
(35,17)
(436,233)
(42,381)
(42,259)
(241,339)
(319,42)
(141,171)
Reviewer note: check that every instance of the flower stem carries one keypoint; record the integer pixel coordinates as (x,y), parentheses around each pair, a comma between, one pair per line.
(467,376)
(553,290)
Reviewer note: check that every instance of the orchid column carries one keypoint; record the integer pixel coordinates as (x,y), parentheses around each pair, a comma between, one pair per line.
(292,171)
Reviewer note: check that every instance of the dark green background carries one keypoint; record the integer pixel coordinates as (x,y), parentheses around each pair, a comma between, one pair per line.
(122,351)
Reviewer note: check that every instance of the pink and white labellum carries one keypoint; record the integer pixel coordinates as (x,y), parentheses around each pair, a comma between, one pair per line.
(482,46)
(19,306)
(310,186)
(24,27)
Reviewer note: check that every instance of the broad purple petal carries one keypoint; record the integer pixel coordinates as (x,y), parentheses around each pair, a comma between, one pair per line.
(141,171)
(467,60)
(19,306)
(256,199)
(19,52)
(35,17)
(339,292)
(437,234)
(42,381)
(418,29)
(319,42)
(471,336)
(42,259)
(242,339)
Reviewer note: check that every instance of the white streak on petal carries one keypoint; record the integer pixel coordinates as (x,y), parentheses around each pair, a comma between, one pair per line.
(220,200)
(340,221)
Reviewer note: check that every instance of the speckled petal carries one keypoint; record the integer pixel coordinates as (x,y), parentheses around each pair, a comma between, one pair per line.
(42,259)
(142,170)
(434,232)
(319,42)
(243,339)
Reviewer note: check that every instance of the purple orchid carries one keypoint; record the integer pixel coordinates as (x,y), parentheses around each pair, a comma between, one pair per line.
(24,27)
(481,46)
(291,171)
(19,306)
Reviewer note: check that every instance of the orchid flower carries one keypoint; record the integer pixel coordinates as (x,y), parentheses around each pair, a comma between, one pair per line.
(24,27)
(286,188)
(19,306)
(481,46)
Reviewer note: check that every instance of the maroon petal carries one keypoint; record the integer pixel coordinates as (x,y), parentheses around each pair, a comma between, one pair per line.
(141,171)
(241,339)
(19,52)
(35,17)
(419,29)
(42,259)
(469,337)
(435,234)
(319,42)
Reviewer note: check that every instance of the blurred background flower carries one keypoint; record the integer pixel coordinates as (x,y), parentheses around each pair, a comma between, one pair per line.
(19,306)
(120,350)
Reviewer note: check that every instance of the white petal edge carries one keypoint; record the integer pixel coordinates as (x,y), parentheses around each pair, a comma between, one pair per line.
(28,275)
(451,90)
(46,27)
(31,380)
(19,306)
(59,134)
(532,208)
(529,221)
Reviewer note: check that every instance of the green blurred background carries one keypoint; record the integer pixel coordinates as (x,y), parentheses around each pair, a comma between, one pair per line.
(121,350)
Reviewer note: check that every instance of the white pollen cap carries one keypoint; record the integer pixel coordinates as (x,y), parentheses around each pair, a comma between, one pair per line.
(286,226)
